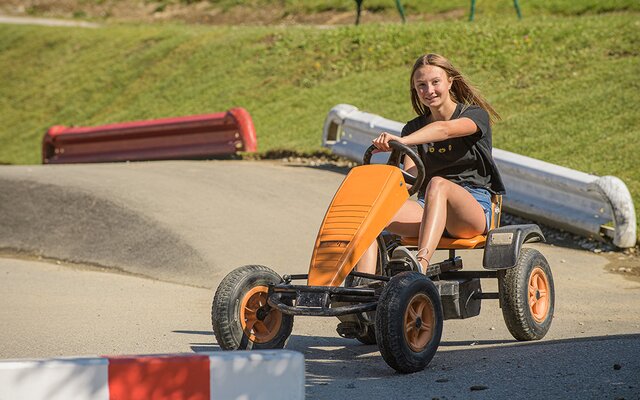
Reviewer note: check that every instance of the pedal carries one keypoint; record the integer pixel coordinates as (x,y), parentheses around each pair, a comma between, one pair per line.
(401,255)
(394,267)
(349,329)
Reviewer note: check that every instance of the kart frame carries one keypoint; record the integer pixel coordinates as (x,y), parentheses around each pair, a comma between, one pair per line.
(401,307)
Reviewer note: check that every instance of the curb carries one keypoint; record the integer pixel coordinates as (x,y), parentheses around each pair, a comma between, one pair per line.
(222,375)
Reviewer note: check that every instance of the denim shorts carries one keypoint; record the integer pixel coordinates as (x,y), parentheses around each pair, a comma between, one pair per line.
(482,196)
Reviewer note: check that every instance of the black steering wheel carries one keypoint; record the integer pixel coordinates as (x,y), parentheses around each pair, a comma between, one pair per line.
(399,149)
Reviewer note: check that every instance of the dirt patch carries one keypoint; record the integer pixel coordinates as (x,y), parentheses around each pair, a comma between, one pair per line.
(202,12)
(625,263)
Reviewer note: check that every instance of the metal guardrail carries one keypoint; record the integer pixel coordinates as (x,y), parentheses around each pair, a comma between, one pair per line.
(588,205)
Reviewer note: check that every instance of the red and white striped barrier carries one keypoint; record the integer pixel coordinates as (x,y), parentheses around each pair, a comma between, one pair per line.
(222,375)
(195,136)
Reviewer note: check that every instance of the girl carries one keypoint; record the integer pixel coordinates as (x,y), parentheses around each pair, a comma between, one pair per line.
(452,135)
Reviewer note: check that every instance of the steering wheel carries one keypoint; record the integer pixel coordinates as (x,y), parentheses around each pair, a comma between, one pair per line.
(400,149)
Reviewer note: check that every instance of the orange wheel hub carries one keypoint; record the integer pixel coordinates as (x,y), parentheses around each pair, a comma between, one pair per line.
(539,301)
(259,323)
(419,322)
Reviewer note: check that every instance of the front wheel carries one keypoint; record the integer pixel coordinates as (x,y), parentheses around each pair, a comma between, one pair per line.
(527,296)
(240,315)
(409,321)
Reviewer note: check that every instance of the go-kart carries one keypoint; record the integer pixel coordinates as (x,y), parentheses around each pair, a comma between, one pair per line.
(401,307)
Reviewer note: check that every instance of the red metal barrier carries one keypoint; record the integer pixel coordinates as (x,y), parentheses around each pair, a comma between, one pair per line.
(195,136)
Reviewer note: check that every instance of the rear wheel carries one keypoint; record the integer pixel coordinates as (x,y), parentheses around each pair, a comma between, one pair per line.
(409,322)
(527,296)
(240,315)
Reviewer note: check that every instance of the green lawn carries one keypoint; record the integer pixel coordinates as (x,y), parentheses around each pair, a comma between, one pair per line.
(566,86)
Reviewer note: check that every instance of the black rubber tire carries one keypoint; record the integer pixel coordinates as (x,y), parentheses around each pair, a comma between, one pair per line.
(225,310)
(513,286)
(390,325)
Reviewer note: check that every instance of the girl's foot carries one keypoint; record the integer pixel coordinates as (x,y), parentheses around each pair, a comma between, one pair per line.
(423,259)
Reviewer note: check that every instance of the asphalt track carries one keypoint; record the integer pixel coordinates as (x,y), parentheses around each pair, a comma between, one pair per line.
(172,230)
(185,222)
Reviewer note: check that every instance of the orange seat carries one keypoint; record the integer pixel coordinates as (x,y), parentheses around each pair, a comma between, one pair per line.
(476,242)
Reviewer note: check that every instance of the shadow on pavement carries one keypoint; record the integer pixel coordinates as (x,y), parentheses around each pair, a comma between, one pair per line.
(322,167)
(207,333)
(594,367)
(585,368)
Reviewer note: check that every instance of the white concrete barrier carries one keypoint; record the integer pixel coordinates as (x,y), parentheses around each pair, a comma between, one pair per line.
(241,375)
(588,205)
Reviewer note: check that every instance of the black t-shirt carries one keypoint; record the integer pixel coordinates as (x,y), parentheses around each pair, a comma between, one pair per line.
(462,160)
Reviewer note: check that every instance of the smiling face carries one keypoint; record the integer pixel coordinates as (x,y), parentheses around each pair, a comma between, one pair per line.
(432,86)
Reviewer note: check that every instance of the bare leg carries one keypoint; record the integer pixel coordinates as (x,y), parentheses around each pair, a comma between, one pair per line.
(406,222)
(449,206)
(367,263)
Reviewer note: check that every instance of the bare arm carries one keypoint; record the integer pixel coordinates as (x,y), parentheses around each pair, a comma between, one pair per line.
(441,130)
(434,132)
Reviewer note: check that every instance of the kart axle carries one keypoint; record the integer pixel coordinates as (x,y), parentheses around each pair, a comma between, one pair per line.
(316,300)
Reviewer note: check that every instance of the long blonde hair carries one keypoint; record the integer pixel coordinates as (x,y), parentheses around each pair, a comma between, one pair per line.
(461,90)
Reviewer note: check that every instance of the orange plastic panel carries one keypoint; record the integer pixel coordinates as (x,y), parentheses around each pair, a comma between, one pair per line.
(366,201)
(451,243)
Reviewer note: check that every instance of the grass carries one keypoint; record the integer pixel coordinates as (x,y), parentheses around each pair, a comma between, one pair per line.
(566,86)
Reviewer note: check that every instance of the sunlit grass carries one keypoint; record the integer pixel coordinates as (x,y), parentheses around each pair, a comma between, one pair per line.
(566,87)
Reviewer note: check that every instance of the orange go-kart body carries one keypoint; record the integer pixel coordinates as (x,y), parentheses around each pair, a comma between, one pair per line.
(363,206)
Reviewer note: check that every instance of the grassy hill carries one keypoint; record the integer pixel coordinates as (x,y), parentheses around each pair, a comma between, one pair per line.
(566,85)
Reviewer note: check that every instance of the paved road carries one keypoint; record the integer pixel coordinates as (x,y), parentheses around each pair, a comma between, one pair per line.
(185,222)
(56,310)
(49,309)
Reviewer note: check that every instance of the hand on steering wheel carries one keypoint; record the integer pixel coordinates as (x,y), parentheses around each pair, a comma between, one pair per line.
(398,150)
(382,142)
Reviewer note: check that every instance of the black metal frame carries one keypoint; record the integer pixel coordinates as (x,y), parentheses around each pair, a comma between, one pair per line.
(318,300)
